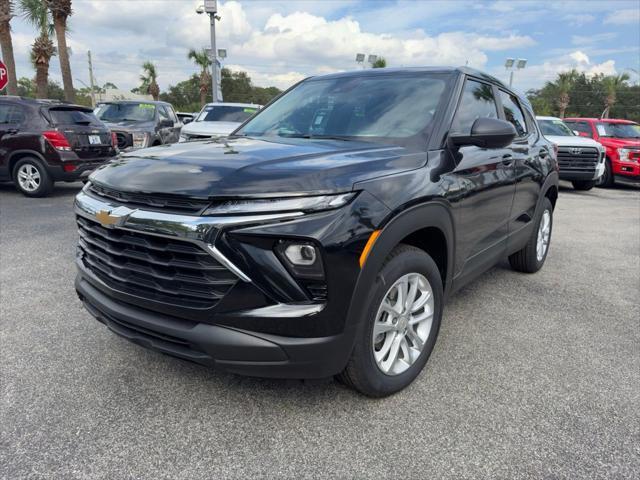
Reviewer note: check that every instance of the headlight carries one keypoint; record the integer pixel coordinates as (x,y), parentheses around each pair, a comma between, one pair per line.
(140,139)
(289,204)
(623,154)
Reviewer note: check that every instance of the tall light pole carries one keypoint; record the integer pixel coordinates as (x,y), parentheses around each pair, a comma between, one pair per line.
(509,65)
(210,7)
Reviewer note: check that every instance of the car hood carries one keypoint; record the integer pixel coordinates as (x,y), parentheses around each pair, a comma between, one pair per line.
(210,128)
(130,126)
(572,141)
(620,142)
(254,167)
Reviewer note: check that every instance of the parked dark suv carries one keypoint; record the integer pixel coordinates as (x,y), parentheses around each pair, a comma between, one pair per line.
(140,124)
(325,234)
(44,141)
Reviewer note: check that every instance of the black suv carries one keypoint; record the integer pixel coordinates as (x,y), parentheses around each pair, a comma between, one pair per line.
(140,124)
(44,141)
(324,235)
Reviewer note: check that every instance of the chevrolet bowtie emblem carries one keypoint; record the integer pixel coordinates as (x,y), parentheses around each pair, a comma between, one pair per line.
(113,218)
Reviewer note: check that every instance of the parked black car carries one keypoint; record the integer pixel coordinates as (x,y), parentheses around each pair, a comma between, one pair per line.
(140,124)
(45,141)
(325,234)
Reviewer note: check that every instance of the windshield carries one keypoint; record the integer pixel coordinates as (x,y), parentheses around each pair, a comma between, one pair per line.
(618,130)
(225,113)
(387,106)
(120,112)
(555,127)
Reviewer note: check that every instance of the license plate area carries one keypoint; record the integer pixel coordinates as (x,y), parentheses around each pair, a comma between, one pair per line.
(95,140)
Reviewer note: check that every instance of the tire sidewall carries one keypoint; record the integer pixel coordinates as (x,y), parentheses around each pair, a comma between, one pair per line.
(45,180)
(407,261)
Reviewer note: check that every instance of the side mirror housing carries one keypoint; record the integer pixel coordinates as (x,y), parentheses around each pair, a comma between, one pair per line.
(486,133)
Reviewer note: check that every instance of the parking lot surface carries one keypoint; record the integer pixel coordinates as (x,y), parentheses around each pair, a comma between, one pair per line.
(533,376)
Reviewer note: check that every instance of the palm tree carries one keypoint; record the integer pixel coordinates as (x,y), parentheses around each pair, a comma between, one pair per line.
(61,11)
(148,79)
(562,86)
(611,84)
(6,14)
(36,13)
(380,62)
(201,59)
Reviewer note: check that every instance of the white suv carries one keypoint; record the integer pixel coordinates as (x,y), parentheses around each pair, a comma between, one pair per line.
(217,120)
(581,160)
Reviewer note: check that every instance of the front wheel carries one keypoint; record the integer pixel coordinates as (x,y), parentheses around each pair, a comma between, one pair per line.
(606,180)
(583,185)
(531,258)
(399,332)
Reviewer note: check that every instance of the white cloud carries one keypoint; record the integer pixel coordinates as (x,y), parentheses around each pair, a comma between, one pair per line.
(579,19)
(598,38)
(625,16)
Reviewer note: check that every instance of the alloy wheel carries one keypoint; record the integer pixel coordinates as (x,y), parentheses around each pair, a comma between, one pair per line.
(544,233)
(403,323)
(29,177)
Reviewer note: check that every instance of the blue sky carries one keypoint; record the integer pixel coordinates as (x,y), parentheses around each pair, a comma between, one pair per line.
(279,42)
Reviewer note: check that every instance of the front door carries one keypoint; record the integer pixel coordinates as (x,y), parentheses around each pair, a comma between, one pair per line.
(485,179)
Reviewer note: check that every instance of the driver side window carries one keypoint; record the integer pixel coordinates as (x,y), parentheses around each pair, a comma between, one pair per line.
(477,102)
(162,112)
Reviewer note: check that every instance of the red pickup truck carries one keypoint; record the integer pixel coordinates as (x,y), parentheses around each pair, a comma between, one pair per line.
(621,140)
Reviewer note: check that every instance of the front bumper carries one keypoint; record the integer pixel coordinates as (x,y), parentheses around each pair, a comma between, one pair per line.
(233,350)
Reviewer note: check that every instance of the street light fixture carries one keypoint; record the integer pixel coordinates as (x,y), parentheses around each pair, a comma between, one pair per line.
(372,59)
(222,53)
(210,7)
(519,65)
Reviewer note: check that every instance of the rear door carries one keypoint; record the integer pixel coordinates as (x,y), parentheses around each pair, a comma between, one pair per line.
(486,181)
(12,116)
(89,137)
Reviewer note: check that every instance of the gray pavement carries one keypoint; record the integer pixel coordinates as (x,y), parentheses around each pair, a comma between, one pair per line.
(533,376)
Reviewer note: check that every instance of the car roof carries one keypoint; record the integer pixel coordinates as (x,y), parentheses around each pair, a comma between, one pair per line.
(232,104)
(153,102)
(44,102)
(436,69)
(603,120)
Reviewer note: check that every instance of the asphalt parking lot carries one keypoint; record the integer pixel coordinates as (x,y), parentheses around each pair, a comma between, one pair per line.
(533,376)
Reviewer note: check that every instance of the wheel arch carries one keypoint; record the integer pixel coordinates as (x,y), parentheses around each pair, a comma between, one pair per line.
(429,227)
(18,155)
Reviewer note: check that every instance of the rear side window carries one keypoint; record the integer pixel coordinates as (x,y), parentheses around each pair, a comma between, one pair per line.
(513,113)
(11,114)
(582,127)
(72,117)
(477,102)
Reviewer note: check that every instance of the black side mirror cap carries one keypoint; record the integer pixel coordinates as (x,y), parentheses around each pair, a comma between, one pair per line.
(486,133)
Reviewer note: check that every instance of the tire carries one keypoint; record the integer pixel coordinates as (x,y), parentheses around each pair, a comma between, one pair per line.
(31,178)
(528,259)
(606,180)
(583,185)
(363,372)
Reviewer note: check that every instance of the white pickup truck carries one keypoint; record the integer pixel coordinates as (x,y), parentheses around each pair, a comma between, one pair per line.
(581,160)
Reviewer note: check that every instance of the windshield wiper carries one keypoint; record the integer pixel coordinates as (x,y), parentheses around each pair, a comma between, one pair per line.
(314,137)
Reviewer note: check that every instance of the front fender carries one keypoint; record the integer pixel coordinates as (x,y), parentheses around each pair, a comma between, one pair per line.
(434,214)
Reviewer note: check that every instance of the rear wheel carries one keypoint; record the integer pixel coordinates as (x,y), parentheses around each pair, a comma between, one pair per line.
(583,184)
(531,258)
(31,178)
(394,342)
(606,180)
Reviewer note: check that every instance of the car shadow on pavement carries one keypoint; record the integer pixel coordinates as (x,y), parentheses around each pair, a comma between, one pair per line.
(60,190)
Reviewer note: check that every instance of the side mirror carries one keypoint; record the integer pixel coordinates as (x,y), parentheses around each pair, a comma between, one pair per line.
(486,133)
(165,123)
(186,120)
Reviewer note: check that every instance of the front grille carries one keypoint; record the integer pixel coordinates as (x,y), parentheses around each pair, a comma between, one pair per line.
(585,160)
(170,271)
(124,140)
(167,203)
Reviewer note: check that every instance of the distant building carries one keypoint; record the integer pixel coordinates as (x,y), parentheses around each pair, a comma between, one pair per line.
(113,94)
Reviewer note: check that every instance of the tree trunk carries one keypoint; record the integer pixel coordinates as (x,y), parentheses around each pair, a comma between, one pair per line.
(42,80)
(60,25)
(7,57)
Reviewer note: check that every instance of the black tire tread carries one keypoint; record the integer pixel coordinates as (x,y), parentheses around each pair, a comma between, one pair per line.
(525,260)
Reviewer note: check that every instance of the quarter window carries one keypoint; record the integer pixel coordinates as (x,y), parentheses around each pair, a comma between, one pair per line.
(11,114)
(477,102)
(513,113)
